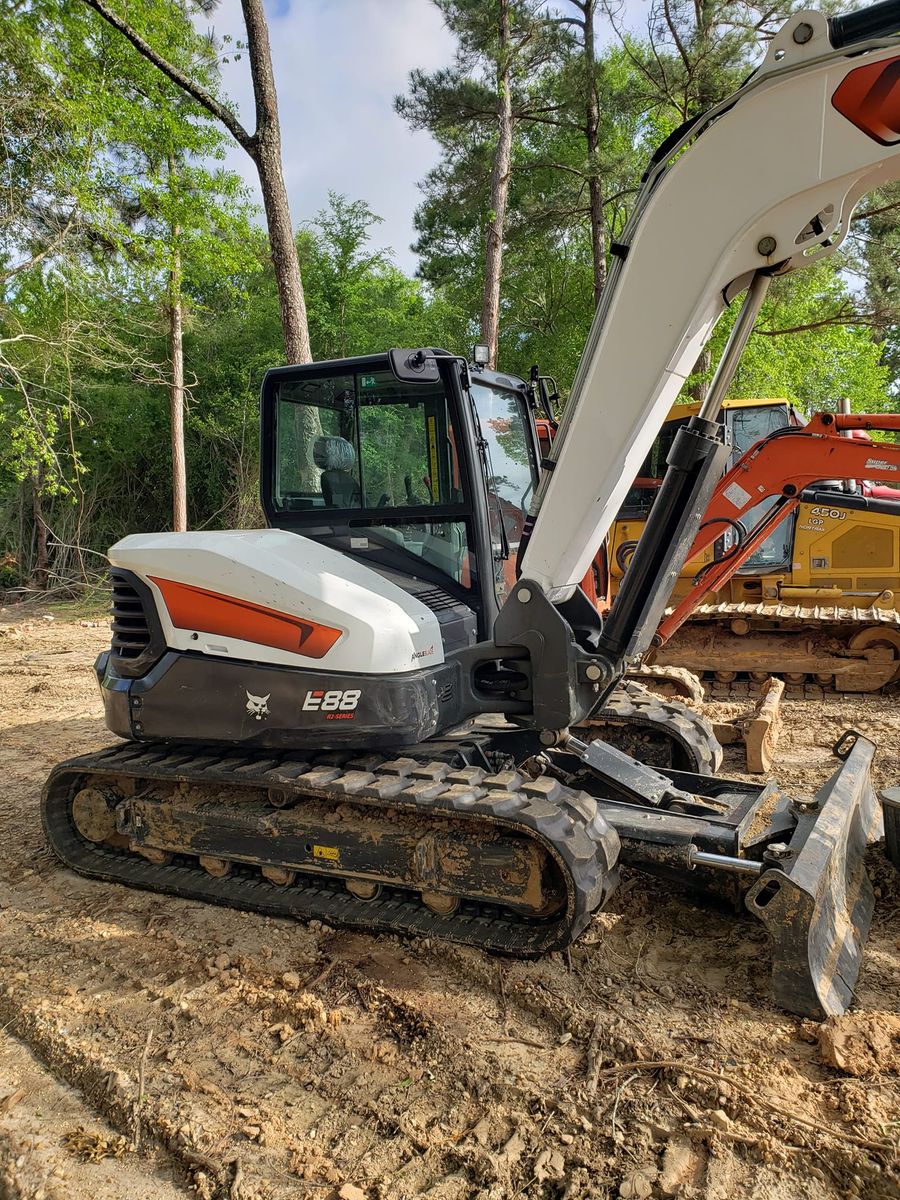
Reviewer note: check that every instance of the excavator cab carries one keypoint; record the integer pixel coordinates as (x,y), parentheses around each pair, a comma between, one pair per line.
(427,483)
(745,422)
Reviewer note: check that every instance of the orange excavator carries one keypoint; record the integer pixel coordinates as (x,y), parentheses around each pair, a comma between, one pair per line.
(804,578)
(778,471)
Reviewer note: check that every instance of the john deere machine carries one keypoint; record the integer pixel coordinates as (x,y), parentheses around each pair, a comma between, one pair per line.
(818,600)
(343,717)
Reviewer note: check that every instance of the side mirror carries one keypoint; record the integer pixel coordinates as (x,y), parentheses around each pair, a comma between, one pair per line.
(414,366)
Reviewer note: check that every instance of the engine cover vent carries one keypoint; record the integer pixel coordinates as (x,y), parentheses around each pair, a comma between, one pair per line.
(437,599)
(137,637)
(130,631)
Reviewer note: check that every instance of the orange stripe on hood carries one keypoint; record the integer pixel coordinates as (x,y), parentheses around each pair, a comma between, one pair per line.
(210,612)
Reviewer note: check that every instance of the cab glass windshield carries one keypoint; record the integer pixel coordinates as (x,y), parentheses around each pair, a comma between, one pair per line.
(367,453)
(363,441)
(748,425)
(511,468)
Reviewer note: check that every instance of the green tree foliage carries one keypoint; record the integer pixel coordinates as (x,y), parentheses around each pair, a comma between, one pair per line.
(88,243)
(696,52)
(110,174)
(796,353)
(830,322)
(360,303)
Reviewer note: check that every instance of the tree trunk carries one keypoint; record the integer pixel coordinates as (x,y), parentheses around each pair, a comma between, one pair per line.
(266,154)
(40,572)
(592,137)
(176,396)
(176,379)
(493,260)
(699,389)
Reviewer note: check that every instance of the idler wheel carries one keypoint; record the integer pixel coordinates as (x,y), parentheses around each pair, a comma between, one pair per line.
(217,867)
(159,858)
(93,815)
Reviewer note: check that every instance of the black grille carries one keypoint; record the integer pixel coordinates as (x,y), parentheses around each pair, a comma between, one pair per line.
(445,691)
(437,599)
(130,627)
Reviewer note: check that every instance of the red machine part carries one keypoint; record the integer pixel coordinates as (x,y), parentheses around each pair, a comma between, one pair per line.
(870,98)
(780,466)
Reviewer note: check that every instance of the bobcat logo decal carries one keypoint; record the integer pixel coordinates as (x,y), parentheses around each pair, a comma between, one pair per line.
(257,706)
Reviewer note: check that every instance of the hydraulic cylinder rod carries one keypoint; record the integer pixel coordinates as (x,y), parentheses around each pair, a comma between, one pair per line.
(734,347)
(695,463)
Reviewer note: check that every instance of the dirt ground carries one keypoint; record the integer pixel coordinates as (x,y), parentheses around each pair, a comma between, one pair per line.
(154,1048)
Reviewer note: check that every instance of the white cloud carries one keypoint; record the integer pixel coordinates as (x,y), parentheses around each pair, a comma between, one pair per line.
(338,65)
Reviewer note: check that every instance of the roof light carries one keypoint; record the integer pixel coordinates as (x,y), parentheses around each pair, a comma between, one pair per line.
(481,355)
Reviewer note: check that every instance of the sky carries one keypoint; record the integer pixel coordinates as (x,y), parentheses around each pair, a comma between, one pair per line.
(338,65)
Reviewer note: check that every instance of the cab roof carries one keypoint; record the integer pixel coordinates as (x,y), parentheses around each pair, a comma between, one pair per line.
(679,411)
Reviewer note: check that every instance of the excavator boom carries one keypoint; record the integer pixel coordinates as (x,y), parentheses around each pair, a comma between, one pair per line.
(768,183)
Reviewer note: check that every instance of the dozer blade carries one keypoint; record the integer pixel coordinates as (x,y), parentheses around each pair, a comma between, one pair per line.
(890,802)
(815,897)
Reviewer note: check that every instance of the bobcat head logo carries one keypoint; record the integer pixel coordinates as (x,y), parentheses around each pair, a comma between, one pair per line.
(257,706)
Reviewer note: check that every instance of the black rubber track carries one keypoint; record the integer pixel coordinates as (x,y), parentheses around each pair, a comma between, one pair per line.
(567,823)
(631,706)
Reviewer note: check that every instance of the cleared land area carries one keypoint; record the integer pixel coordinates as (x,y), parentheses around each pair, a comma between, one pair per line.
(160,1048)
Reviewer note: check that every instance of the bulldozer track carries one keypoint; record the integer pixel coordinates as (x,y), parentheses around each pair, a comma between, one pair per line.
(833,624)
(798,614)
(565,823)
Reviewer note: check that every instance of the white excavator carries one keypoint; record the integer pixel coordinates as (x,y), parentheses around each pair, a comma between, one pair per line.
(371,711)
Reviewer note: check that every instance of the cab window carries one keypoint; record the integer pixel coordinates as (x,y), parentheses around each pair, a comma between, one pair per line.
(748,425)
(362,450)
(512,470)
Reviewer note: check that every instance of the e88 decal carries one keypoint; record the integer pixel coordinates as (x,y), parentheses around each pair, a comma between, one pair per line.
(332,701)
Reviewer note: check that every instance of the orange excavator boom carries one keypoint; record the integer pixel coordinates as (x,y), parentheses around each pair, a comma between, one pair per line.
(779,467)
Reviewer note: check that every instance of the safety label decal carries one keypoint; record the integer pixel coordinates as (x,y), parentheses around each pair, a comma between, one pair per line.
(736,495)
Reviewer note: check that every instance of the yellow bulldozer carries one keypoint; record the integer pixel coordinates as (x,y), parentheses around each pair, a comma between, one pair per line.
(816,603)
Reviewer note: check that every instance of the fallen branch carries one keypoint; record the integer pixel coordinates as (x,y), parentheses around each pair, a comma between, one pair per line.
(321,977)
(521,1041)
(594,1058)
(671,1064)
(138,1104)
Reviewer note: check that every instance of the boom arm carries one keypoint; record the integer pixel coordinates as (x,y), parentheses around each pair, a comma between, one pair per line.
(779,467)
(768,184)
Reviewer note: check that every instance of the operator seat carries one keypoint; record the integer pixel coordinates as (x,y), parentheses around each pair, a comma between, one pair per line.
(336,458)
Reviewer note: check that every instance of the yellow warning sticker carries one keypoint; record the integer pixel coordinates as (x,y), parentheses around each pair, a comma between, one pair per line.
(331,853)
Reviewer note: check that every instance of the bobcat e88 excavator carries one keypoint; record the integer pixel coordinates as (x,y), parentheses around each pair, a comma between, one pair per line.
(330,718)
